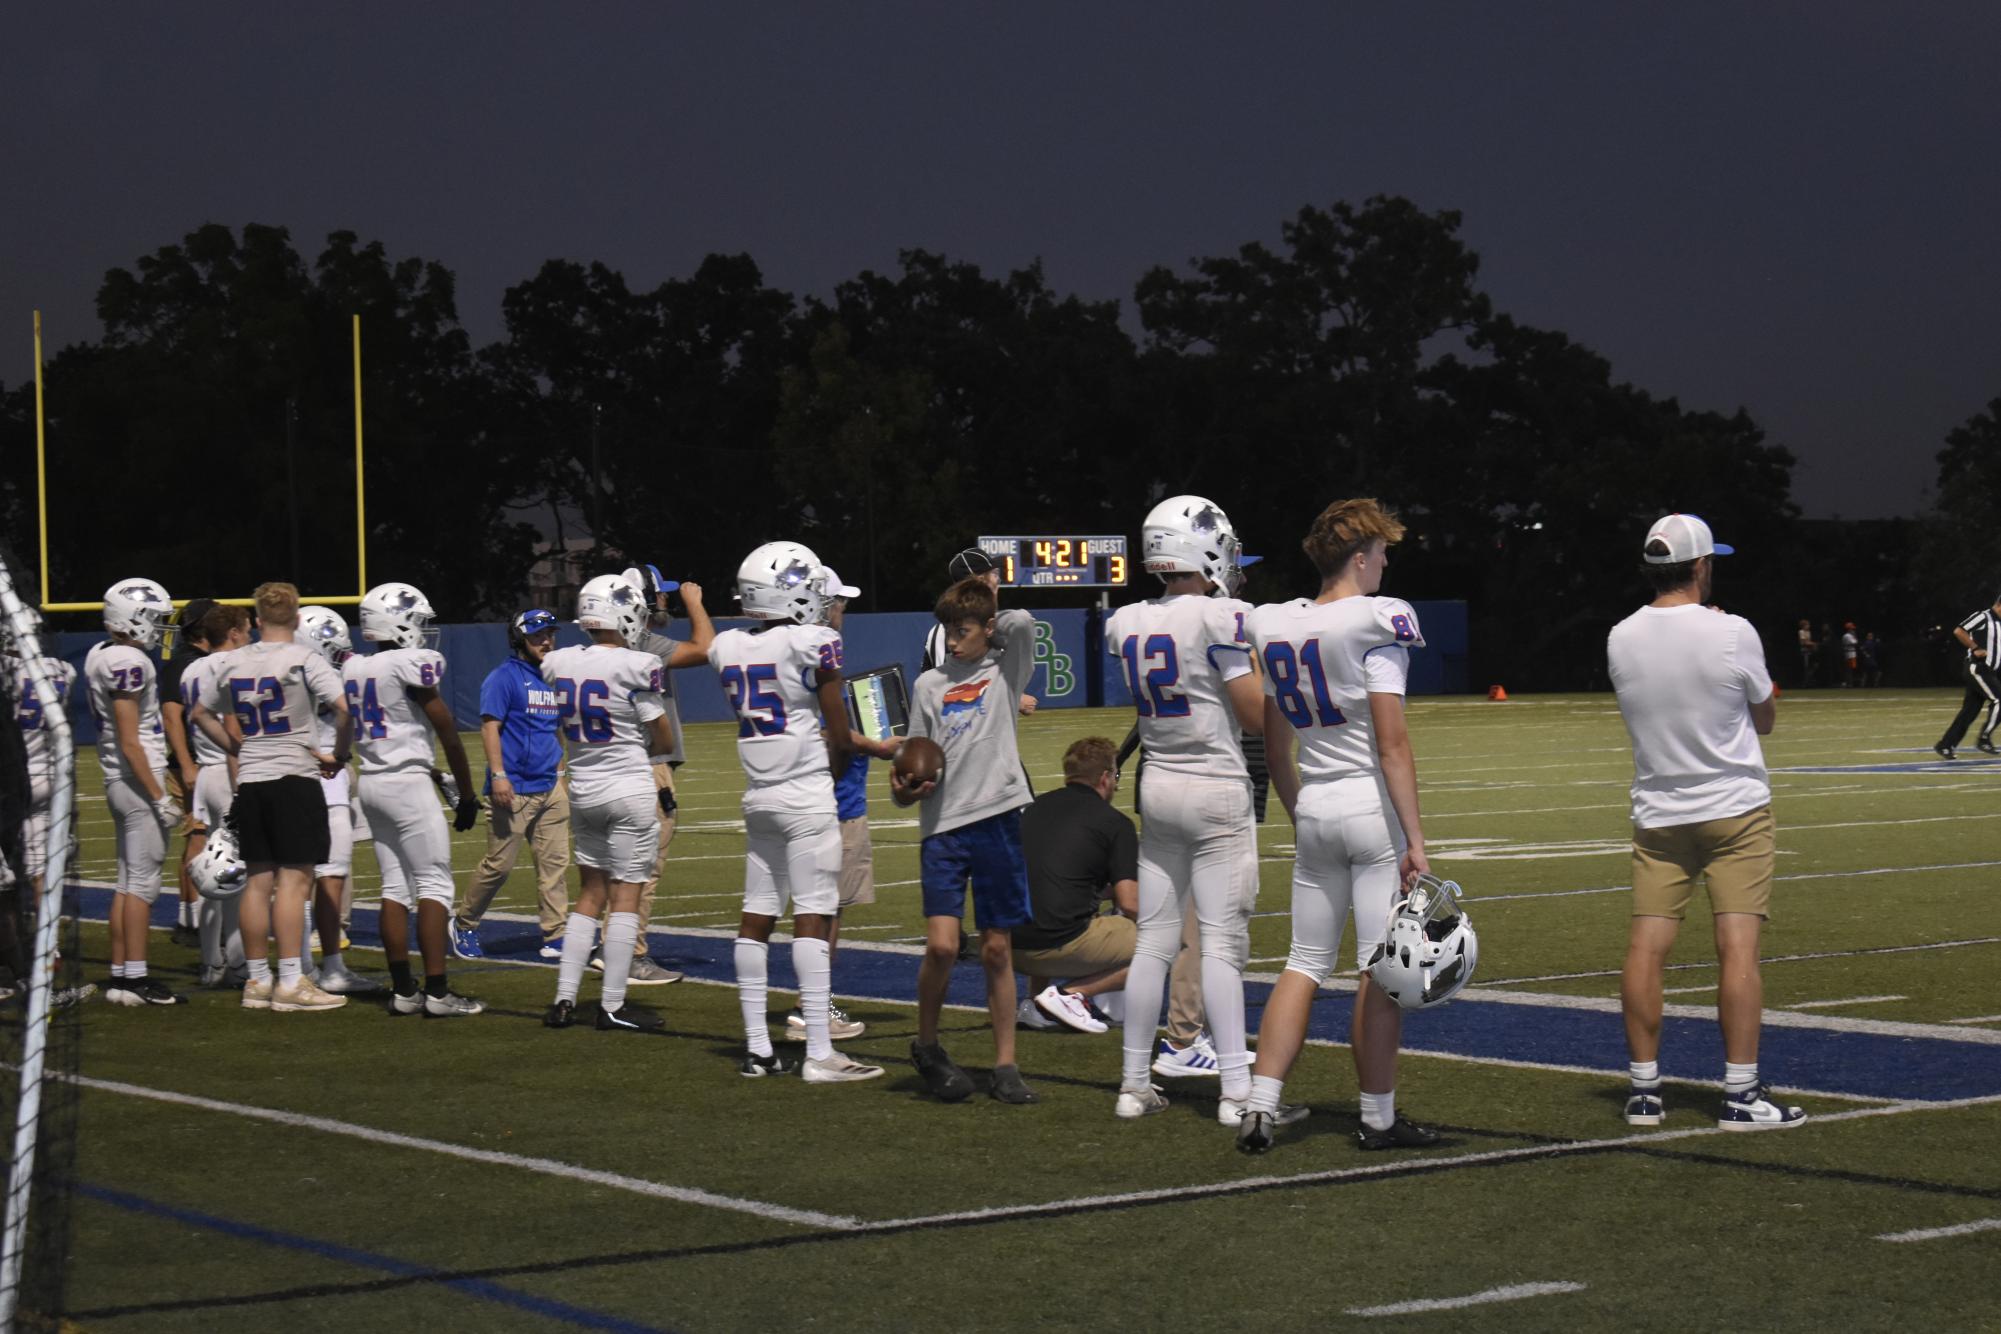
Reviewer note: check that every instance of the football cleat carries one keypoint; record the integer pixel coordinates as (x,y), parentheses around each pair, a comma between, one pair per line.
(299,996)
(836,1069)
(341,980)
(1197,1059)
(946,1081)
(465,943)
(629,1019)
(1402,1133)
(1232,1111)
(1254,1132)
(560,1014)
(450,1006)
(410,1004)
(840,1028)
(1643,1107)
(1135,1103)
(1752,1110)
(119,992)
(754,1066)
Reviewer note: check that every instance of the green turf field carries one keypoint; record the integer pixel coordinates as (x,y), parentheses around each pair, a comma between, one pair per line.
(345,1171)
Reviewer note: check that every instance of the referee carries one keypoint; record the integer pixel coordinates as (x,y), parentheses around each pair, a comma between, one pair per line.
(1977,634)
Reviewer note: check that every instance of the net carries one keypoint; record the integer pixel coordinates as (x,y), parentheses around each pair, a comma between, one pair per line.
(39,983)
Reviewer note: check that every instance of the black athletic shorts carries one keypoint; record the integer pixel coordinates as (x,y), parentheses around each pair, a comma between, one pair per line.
(282,821)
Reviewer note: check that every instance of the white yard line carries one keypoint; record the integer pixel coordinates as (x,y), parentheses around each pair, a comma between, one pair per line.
(1513,1292)
(1978,1019)
(540,1166)
(1934,1233)
(1799,875)
(1833,1004)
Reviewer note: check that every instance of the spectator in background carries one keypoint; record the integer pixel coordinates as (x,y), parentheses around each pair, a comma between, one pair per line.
(190,643)
(1872,659)
(1830,664)
(526,797)
(1809,652)
(1851,673)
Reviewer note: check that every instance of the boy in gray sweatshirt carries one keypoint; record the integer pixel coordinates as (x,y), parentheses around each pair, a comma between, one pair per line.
(971,821)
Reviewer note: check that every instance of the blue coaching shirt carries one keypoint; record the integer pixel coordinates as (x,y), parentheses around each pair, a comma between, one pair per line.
(851,790)
(515,696)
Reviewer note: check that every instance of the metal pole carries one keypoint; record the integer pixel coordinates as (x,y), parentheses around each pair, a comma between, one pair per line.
(292,480)
(597,481)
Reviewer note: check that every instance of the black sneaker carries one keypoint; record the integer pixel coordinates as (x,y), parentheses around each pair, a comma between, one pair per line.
(1945,751)
(947,1082)
(754,1066)
(183,934)
(1403,1133)
(629,1019)
(1644,1106)
(1986,747)
(1010,1087)
(152,991)
(561,1014)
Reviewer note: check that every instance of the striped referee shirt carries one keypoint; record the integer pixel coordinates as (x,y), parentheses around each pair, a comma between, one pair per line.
(1984,628)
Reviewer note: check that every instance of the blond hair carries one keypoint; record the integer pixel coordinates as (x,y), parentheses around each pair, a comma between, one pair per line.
(1345,528)
(277,605)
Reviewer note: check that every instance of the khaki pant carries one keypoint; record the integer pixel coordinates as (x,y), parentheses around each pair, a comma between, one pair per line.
(1107,943)
(663,778)
(857,863)
(542,821)
(1184,985)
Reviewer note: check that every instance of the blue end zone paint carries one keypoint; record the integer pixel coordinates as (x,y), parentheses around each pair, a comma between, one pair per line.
(327,1250)
(1868,1064)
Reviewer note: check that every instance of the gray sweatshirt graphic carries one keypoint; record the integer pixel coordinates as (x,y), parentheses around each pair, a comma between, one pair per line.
(968,708)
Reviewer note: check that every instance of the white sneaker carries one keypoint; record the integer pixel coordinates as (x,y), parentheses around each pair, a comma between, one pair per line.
(300,996)
(837,1069)
(1028,1015)
(840,1028)
(450,1006)
(1068,1008)
(257,993)
(341,980)
(1196,1059)
(1229,1111)
(1135,1103)
(1754,1110)
(551,949)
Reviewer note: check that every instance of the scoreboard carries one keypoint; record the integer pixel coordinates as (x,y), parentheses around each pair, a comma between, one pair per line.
(1058,562)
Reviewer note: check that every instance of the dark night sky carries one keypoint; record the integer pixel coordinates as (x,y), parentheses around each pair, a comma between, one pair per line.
(1789,207)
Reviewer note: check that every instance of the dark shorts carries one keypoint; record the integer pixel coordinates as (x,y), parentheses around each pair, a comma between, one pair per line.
(987,852)
(282,822)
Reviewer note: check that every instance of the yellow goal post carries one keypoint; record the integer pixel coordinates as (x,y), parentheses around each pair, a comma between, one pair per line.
(42,499)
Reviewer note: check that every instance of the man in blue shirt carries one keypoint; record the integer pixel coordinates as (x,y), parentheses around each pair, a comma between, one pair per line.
(527,800)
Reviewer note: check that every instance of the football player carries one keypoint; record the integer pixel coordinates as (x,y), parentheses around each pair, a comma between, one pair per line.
(393,697)
(176,719)
(322,629)
(218,926)
(612,721)
(783,679)
(1335,668)
(32,715)
(120,682)
(270,693)
(1188,666)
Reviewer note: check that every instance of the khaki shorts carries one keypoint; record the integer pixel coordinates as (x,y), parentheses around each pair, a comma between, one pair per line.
(857,863)
(1107,943)
(190,822)
(1735,855)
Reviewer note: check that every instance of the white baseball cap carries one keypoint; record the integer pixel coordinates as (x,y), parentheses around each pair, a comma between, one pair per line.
(1685,537)
(831,585)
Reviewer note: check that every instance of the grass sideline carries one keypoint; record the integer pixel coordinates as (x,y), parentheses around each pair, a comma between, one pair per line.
(199,1213)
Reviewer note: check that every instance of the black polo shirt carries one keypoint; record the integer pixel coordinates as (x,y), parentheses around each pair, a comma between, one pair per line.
(1077,845)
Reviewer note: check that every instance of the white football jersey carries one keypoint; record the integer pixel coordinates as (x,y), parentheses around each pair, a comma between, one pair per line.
(198,686)
(605,697)
(1322,660)
(31,713)
(276,690)
(390,729)
(110,668)
(1177,653)
(768,678)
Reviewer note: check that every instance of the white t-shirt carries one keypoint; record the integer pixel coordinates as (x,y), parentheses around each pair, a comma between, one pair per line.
(605,697)
(112,668)
(276,690)
(1686,677)
(1322,661)
(197,682)
(1178,653)
(390,729)
(768,677)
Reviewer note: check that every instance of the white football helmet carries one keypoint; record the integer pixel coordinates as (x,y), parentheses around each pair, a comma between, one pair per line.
(138,609)
(1429,951)
(783,581)
(398,614)
(1190,535)
(323,629)
(218,871)
(609,602)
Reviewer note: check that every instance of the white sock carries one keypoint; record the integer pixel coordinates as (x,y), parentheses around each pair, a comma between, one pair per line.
(621,933)
(1739,1078)
(1264,1093)
(811,962)
(288,971)
(1146,992)
(188,911)
(1379,1110)
(135,970)
(578,939)
(118,970)
(260,969)
(753,993)
(1223,1001)
(1646,1074)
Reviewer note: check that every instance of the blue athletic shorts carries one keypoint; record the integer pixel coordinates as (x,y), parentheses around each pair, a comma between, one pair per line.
(988,852)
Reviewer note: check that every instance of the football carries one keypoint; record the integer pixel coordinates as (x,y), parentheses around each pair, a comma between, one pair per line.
(920,760)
